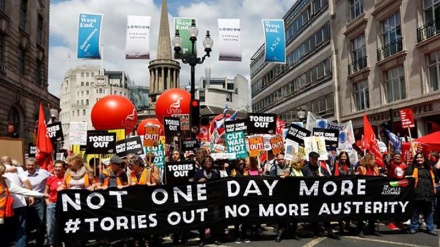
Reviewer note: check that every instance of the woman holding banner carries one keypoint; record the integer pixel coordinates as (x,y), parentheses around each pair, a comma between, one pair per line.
(205,174)
(368,167)
(421,171)
(343,168)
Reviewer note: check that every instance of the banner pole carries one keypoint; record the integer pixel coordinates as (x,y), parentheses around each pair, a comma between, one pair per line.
(411,142)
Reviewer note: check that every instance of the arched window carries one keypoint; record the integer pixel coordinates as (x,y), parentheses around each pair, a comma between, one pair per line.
(13,128)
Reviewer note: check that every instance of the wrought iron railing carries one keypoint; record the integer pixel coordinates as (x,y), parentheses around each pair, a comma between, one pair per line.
(357,65)
(429,30)
(389,49)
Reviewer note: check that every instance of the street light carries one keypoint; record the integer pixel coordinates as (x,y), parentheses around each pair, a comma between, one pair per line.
(301,114)
(193,60)
(53,115)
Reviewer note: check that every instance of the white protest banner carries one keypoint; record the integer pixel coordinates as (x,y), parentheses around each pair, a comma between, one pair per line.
(291,149)
(229,36)
(78,133)
(317,144)
(137,45)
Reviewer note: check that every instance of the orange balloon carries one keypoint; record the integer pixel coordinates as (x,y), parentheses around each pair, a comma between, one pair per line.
(172,102)
(149,121)
(114,112)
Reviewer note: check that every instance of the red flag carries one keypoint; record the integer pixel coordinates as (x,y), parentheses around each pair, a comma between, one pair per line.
(371,143)
(280,126)
(43,155)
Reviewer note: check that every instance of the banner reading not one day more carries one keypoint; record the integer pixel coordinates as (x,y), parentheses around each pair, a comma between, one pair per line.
(121,213)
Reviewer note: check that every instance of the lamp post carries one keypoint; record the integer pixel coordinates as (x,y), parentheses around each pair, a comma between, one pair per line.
(193,60)
(301,115)
(53,115)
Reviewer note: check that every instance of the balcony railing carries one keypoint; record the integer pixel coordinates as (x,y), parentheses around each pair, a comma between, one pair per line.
(357,65)
(429,30)
(389,49)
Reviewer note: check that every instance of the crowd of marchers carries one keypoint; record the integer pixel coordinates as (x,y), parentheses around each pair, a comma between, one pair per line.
(28,194)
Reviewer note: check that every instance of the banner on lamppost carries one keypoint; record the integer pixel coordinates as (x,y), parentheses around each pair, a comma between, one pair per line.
(275,40)
(137,45)
(183,24)
(89,36)
(229,37)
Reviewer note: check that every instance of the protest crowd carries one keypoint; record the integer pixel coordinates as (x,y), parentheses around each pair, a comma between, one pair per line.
(29,194)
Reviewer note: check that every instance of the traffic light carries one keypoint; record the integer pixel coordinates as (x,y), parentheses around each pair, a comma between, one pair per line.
(195,112)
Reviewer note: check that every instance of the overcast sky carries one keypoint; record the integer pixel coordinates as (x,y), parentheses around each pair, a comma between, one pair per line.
(64,25)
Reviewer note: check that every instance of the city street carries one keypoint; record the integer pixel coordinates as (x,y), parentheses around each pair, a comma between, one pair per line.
(267,237)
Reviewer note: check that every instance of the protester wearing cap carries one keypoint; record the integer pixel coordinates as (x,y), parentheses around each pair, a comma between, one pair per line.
(114,175)
(315,168)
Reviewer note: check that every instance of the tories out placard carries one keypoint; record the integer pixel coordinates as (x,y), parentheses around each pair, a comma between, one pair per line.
(261,123)
(101,142)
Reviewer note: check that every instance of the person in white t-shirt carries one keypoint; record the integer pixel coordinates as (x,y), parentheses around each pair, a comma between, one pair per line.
(16,226)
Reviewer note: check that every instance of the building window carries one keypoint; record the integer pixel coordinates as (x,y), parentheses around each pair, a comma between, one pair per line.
(2,5)
(395,84)
(434,71)
(84,112)
(391,37)
(38,73)
(432,11)
(21,61)
(358,54)
(87,92)
(2,39)
(87,102)
(356,8)
(82,74)
(40,30)
(23,14)
(87,83)
(361,95)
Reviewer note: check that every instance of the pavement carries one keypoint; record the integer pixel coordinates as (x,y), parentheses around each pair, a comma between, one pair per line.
(266,237)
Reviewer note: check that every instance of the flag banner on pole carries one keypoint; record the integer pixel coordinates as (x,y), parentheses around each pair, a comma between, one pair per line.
(275,40)
(183,24)
(346,133)
(146,210)
(371,143)
(137,45)
(395,141)
(230,40)
(44,150)
(89,36)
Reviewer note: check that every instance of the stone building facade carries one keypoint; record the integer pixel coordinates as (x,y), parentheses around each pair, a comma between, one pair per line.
(24,50)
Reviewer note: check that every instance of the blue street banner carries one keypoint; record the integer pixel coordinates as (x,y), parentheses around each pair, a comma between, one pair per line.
(236,143)
(89,36)
(274,37)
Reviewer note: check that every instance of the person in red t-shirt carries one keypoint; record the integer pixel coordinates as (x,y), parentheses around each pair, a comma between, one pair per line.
(52,183)
(396,169)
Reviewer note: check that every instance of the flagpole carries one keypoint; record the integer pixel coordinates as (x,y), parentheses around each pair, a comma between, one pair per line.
(411,142)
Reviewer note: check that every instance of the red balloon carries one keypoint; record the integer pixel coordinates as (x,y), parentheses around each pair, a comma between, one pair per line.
(114,112)
(172,102)
(148,121)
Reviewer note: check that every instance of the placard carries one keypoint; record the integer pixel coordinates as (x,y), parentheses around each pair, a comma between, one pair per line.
(331,137)
(178,173)
(78,133)
(236,143)
(152,134)
(261,123)
(276,144)
(130,145)
(55,132)
(255,145)
(407,118)
(101,142)
(236,125)
(297,134)
(190,144)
